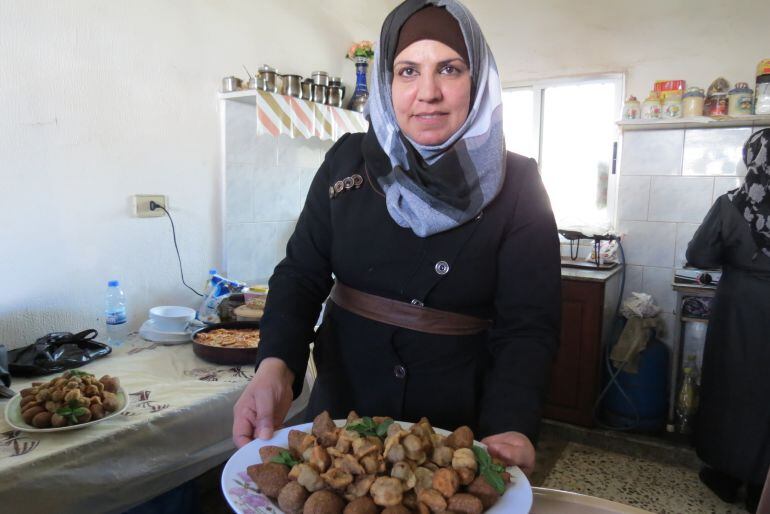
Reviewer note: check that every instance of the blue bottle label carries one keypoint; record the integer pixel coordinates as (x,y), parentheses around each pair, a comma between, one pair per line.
(116,318)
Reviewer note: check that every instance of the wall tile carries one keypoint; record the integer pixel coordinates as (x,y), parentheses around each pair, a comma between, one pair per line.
(714,151)
(684,233)
(634,275)
(683,199)
(657,283)
(306,176)
(633,197)
(652,152)
(276,194)
(242,145)
(250,251)
(239,199)
(649,243)
(725,184)
(283,231)
(299,152)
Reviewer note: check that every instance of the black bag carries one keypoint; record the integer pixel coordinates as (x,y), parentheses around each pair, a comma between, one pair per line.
(56,352)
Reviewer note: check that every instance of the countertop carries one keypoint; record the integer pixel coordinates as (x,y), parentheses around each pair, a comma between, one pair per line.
(588,275)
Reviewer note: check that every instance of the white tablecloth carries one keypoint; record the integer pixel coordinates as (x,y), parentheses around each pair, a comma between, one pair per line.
(177,425)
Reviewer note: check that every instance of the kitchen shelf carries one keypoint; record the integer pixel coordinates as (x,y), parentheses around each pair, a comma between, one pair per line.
(695,122)
(293,117)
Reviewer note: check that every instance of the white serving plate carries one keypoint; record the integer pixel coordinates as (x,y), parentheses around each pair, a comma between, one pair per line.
(244,497)
(13,415)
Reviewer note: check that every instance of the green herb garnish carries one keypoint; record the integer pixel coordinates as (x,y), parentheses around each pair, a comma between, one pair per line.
(367,426)
(491,472)
(71,413)
(382,428)
(285,458)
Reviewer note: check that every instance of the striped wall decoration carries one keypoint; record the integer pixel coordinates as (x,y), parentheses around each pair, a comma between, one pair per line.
(280,114)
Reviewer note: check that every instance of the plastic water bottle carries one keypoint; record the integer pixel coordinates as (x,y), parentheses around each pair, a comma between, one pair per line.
(115,314)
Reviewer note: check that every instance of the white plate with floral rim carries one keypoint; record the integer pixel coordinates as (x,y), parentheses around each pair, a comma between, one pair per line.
(13,415)
(245,498)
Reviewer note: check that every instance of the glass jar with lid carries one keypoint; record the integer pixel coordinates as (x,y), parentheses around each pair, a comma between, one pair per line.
(651,107)
(762,92)
(632,109)
(672,107)
(740,100)
(692,102)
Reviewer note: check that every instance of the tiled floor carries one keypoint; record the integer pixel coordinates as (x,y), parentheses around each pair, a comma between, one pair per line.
(635,470)
(643,483)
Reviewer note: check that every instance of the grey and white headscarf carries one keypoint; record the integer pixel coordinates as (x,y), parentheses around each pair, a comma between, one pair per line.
(752,199)
(432,189)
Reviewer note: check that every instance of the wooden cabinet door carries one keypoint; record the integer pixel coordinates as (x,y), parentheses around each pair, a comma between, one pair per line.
(576,371)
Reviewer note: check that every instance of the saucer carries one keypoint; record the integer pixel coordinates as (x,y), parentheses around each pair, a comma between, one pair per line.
(150,333)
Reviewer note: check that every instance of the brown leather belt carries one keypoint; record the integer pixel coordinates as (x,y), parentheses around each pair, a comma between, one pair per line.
(406,315)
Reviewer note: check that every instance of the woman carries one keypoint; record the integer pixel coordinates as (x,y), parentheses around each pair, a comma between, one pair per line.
(444,251)
(732,433)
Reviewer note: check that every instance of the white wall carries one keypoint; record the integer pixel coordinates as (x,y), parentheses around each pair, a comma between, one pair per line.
(103,99)
(653,40)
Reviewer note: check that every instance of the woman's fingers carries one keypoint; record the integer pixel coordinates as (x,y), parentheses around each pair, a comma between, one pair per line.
(243,426)
(514,456)
(513,448)
(264,401)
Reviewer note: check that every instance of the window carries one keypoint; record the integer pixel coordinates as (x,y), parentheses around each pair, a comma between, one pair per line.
(569,127)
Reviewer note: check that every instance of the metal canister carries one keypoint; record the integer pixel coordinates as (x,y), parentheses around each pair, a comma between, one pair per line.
(320,77)
(268,74)
(334,97)
(291,85)
(230,84)
(319,93)
(740,100)
(307,89)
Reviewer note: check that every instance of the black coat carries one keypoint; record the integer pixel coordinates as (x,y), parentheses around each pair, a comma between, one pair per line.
(504,265)
(732,431)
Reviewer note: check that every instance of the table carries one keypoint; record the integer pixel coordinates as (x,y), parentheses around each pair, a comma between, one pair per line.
(177,425)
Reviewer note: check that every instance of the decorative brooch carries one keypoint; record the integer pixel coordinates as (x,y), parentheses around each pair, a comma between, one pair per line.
(351,182)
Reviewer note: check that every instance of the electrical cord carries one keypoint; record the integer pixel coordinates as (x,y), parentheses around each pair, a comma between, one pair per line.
(613,374)
(154,206)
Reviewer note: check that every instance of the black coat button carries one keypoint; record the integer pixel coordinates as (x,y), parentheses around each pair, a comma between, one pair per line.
(399,371)
(442,267)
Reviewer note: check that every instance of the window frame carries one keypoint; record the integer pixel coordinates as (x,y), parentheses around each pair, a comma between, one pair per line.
(538,88)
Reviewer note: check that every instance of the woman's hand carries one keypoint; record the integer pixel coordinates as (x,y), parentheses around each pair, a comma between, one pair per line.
(513,448)
(264,403)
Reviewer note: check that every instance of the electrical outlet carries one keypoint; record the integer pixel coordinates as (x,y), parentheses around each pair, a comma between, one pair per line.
(142,206)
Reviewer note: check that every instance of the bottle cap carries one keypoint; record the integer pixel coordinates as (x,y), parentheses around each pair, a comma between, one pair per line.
(113,283)
(212,271)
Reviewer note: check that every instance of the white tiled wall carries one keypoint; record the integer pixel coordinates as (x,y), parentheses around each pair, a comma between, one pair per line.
(668,181)
(266,181)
